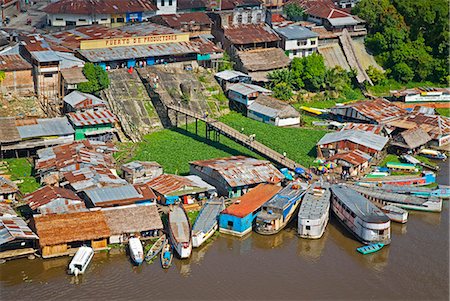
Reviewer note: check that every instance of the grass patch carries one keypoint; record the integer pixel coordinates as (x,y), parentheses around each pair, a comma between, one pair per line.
(150,109)
(431,185)
(298,143)
(390,158)
(21,170)
(192,215)
(444,111)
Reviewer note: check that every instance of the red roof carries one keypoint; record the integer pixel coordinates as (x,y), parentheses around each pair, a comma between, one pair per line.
(88,7)
(48,194)
(102,116)
(354,157)
(324,9)
(167,184)
(13,62)
(277,18)
(373,128)
(231,4)
(252,200)
(249,34)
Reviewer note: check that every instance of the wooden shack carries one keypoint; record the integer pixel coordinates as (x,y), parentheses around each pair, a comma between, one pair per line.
(63,234)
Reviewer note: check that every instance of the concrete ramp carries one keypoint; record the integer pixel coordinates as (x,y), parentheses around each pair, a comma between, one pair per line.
(363,56)
(334,56)
(129,100)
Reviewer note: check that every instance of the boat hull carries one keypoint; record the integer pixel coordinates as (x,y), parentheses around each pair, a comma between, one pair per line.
(182,251)
(199,238)
(76,269)
(136,251)
(283,224)
(181,242)
(316,231)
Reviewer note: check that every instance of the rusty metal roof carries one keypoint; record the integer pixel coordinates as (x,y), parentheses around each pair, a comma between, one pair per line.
(367,139)
(263,59)
(239,170)
(435,125)
(90,7)
(91,117)
(7,186)
(372,128)
(354,157)
(13,62)
(178,20)
(48,194)
(14,227)
(92,177)
(174,185)
(250,33)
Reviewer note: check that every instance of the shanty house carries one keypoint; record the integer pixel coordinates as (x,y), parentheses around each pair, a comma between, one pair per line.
(118,196)
(8,190)
(410,140)
(6,210)
(51,199)
(247,37)
(242,95)
(141,171)
(339,142)
(238,218)
(273,111)
(228,77)
(298,41)
(79,101)
(91,177)
(18,75)
(63,234)
(352,162)
(93,124)
(235,176)
(15,235)
(171,188)
(126,221)
(71,78)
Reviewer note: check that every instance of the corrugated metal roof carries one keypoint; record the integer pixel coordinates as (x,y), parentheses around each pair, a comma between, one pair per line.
(45,56)
(315,203)
(373,128)
(354,157)
(12,228)
(247,89)
(174,185)
(48,194)
(367,139)
(6,210)
(343,21)
(88,7)
(230,74)
(76,97)
(58,126)
(91,117)
(273,107)
(13,62)
(108,194)
(239,170)
(296,32)
(359,205)
(250,33)
(287,195)
(92,177)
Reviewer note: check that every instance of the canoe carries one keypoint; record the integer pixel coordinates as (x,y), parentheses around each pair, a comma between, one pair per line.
(136,250)
(155,249)
(166,255)
(372,248)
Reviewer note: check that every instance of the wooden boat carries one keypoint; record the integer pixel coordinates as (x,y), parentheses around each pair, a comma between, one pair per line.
(412,160)
(372,248)
(81,260)
(166,255)
(180,232)
(395,214)
(206,223)
(428,177)
(155,249)
(276,213)
(136,250)
(422,192)
(404,201)
(362,218)
(314,211)
(432,154)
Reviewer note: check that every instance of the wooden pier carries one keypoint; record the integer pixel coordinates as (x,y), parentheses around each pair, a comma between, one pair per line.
(216,128)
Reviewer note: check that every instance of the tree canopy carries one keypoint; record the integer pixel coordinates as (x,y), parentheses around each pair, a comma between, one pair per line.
(294,12)
(409,38)
(97,79)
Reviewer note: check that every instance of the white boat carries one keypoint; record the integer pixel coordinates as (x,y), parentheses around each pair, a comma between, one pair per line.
(433,154)
(276,213)
(180,232)
(81,260)
(314,212)
(206,223)
(136,250)
(362,218)
(395,214)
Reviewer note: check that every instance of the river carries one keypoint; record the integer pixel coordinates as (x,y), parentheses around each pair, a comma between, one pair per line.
(414,266)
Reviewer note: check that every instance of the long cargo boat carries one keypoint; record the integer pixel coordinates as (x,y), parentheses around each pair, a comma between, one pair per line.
(180,232)
(358,215)
(207,221)
(276,213)
(314,211)
(404,201)
(442,192)
(428,177)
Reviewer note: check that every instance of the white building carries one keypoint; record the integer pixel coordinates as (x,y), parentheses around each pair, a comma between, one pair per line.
(273,111)
(297,40)
(166,7)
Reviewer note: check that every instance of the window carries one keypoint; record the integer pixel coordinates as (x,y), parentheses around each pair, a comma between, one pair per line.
(308,227)
(258,18)
(294,52)
(313,42)
(59,19)
(48,75)
(82,20)
(249,17)
(113,20)
(170,2)
(381,232)
(104,19)
(120,20)
(239,19)
(230,224)
(301,43)
(163,3)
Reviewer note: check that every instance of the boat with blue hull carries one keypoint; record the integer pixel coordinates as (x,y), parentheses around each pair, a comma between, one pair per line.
(369,249)
(207,221)
(276,213)
(427,177)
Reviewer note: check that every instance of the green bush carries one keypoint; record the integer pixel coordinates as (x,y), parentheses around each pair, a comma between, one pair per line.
(97,79)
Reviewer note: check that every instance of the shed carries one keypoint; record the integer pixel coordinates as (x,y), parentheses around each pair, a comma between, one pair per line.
(8,190)
(79,101)
(141,171)
(127,221)
(234,176)
(411,139)
(15,234)
(228,77)
(63,234)
(51,199)
(242,95)
(273,111)
(237,219)
(352,162)
(93,124)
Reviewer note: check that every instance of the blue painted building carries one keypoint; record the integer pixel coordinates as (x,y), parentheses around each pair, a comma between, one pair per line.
(238,218)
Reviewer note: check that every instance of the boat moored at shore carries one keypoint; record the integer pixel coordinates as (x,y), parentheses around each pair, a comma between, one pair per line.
(363,219)
(180,231)
(136,250)
(395,214)
(428,177)
(432,154)
(276,213)
(207,222)
(81,260)
(314,211)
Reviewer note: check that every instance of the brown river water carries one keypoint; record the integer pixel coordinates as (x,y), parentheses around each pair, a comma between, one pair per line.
(415,266)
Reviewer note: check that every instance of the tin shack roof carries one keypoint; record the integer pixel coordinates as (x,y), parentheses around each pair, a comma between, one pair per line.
(373,128)
(55,229)
(92,177)
(101,116)
(47,194)
(296,32)
(90,7)
(272,107)
(240,171)
(76,97)
(58,126)
(367,139)
(132,219)
(177,21)
(191,4)
(119,195)
(7,186)
(435,125)
(247,89)
(263,59)
(250,34)
(230,74)
(252,200)
(174,185)
(6,210)
(13,62)
(12,228)
(354,157)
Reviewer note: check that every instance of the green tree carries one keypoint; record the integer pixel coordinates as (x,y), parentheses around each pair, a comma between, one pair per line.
(294,12)
(226,63)
(314,72)
(337,80)
(377,76)
(282,91)
(402,72)
(97,79)
(2,75)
